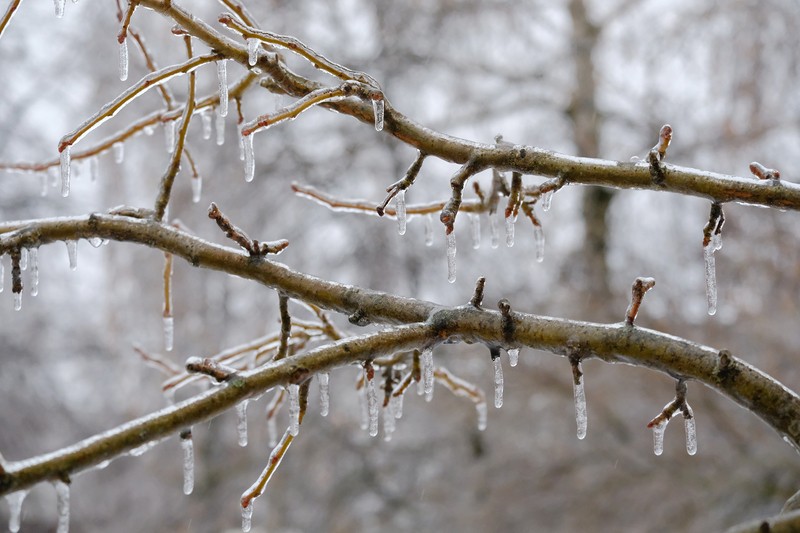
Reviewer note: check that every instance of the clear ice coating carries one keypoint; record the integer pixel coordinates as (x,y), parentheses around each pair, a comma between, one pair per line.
(17,301)
(252,51)
(510,221)
(377,108)
(123,60)
(547,199)
(169,135)
(23,258)
(247,517)
(169,332)
(188,464)
(362,402)
(498,382)
(373,409)
(241,422)
(658,437)
(691,432)
(294,409)
(580,407)
(426,361)
(96,242)
(249,158)
(119,152)
(428,230)
(220,125)
(205,118)
(323,378)
(222,78)
(15,500)
(65,163)
(483,414)
(59,4)
(538,236)
(495,234)
(513,356)
(711,278)
(72,252)
(400,206)
(34,264)
(475,226)
(62,506)
(197,188)
(451,257)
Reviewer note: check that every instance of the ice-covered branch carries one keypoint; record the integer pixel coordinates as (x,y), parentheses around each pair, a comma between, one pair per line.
(8,15)
(638,290)
(399,187)
(678,405)
(237,235)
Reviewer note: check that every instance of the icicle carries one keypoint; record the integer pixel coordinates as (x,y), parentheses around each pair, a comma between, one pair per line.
(658,437)
(513,356)
(362,402)
(60,7)
(711,278)
(249,158)
(62,493)
(252,51)
(451,256)
(475,226)
(23,259)
(400,206)
(580,407)
(426,360)
(92,169)
(17,301)
(188,462)
(241,424)
(123,60)
(119,152)
(372,406)
(538,236)
(247,517)
(324,395)
(220,124)
(169,332)
(389,421)
(222,78)
(482,410)
(510,231)
(294,409)
(272,432)
(547,199)
(72,252)
(43,189)
(716,241)
(377,108)
(34,261)
(169,136)
(498,382)
(205,118)
(691,432)
(65,171)
(197,188)
(241,144)
(428,230)
(15,500)
(493,230)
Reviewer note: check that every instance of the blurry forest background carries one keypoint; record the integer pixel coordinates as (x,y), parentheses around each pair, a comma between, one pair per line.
(579,76)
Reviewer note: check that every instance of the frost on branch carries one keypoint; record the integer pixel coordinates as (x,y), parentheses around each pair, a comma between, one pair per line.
(677,405)
(638,290)
(712,241)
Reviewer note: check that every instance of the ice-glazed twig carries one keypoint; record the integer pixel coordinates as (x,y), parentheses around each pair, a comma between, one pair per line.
(464,389)
(712,241)
(658,152)
(450,209)
(8,15)
(211,368)
(764,173)
(286,326)
(477,296)
(403,184)
(512,208)
(236,234)
(163,365)
(638,289)
(677,405)
(257,488)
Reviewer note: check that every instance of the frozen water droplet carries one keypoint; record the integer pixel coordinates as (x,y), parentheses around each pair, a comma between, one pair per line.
(253,46)
(634,159)
(43,189)
(62,506)
(197,188)
(495,234)
(658,437)
(294,409)
(510,231)
(513,356)
(428,230)
(96,242)
(15,500)
(205,118)
(249,158)
(580,408)
(123,60)
(372,406)
(483,414)
(324,393)
(400,206)
(119,152)
(23,259)
(247,517)
(169,332)
(451,256)
(17,301)
(538,236)
(711,278)
(547,199)
(65,163)
(498,382)
(241,423)
(34,261)
(59,4)
(426,360)
(377,109)
(72,252)
(93,164)
(222,79)
(220,126)
(188,464)
(169,136)
(475,226)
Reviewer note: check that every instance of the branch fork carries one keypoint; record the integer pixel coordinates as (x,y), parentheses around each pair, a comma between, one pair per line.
(236,234)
